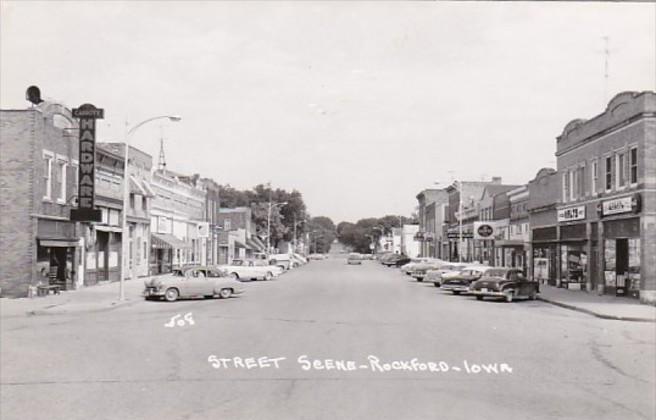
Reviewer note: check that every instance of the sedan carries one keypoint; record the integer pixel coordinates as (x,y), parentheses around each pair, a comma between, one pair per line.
(505,283)
(192,282)
(396,260)
(459,281)
(435,276)
(354,258)
(248,270)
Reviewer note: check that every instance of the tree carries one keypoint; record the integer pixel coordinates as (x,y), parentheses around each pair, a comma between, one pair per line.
(323,233)
(365,232)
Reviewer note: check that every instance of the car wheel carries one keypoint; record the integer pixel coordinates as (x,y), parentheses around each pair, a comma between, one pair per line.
(420,279)
(171,294)
(436,284)
(234,276)
(533,295)
(268,276)
(479,297)
(225,293)
(455,292)
(509,294)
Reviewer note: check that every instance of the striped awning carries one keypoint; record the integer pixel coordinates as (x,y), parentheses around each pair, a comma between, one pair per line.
(167,241)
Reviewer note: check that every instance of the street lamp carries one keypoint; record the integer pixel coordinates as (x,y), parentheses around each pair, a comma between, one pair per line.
(126,197)
(271,206)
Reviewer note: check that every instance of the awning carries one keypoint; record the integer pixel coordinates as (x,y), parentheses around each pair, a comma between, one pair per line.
(60,243)
(148,188)
(136,188)
(104,228)
(240,245)
(509,243)
(253,245)
(167,241)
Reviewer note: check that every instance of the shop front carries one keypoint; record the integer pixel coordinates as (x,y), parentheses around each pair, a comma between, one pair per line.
(165,252)
(58,253)
(622,246)
(545,255)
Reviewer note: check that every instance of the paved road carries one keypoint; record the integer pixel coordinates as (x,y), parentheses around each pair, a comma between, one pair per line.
(125,364)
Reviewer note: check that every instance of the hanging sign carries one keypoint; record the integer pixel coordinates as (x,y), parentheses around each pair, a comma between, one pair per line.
(86,211)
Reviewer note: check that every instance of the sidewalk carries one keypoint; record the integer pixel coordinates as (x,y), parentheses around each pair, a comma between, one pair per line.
(607,307)
(102,297)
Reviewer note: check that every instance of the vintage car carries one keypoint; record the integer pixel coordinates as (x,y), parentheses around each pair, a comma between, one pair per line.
(354,258)
(247,270)
(506,283)
(419,270)
(283,261)
(317,256)
(435,276)
(414,262)
(263,264)
(396,260)
(202,281)
(459,281)
(298,260)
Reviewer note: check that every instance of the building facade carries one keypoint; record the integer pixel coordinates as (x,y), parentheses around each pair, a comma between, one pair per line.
(543,198)
(177,223)
(38,186)
(607,209)
(431,212)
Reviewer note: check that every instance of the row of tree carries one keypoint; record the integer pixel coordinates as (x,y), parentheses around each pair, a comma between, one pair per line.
(365,233)
(288,222)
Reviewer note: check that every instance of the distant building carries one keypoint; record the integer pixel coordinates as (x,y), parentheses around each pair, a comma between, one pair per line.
(432,210)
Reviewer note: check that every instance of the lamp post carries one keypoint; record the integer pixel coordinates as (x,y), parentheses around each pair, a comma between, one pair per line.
(126,198)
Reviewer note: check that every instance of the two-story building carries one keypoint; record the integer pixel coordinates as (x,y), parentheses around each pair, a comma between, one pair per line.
(431,211)
(38,187)
(496,229)
(543,198)
(178,227)
(607,213)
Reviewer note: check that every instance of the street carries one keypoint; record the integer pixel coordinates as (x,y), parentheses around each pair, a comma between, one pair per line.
(552,363)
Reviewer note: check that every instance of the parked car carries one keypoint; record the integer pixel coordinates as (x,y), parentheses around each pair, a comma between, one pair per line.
(459,281)
(410,265)
(298,260)
(247,270)
(419,270)
(396,260)
(317,257)
(435,276)
(201,281)
(276,270)
(283,261)
(354,258)
(506,283)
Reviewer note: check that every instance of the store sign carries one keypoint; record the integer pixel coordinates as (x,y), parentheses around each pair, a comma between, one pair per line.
(456,235)
(621,205)
(571,213)
(86,211)
(485,230)
(203,230)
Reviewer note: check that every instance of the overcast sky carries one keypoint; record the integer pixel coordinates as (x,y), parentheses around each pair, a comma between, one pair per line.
(357,105)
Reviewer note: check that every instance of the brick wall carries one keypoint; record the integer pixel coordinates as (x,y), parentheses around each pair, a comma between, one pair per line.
(16,193)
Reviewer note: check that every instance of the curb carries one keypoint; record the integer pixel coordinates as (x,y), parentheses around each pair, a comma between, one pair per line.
(596,314)
(61,310)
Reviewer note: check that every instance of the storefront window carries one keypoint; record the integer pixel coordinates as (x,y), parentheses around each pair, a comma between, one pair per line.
(634,266)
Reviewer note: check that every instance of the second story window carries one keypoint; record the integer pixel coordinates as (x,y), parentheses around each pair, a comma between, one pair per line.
(227,224)
(609,173)
(131,201)
(633,162)
(144,203)
(47,175)
(61,181)
(565,186)
(620,159)
(595,177)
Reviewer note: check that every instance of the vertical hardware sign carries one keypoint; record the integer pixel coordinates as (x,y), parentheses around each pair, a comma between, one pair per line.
(86,212)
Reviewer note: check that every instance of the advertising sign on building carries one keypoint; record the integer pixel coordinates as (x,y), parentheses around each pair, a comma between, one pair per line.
(203,229)
(485,230)
(456,235)
(571,213)
(86,211)
(620,205)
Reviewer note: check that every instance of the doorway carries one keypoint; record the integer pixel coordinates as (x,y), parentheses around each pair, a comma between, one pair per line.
(621,265)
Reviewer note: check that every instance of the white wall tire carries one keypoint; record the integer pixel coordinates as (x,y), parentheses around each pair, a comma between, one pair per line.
(172,294)
(225,293)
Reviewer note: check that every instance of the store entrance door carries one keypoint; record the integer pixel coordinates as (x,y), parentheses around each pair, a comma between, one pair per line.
(622,266)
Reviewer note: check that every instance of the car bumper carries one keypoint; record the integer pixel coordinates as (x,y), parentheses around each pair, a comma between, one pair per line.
(153,293)
(488,293)
(455,287)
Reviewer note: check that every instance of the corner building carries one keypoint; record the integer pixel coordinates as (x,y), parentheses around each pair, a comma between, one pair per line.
(607,211)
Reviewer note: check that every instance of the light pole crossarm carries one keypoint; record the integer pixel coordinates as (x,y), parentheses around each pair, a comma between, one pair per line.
(159,117)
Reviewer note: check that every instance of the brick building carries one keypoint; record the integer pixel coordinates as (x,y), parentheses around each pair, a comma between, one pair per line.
(543,197)
(38,185)
(432,203)
(607,209)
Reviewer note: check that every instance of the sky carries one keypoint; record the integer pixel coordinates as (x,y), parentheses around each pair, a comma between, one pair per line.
(357,105)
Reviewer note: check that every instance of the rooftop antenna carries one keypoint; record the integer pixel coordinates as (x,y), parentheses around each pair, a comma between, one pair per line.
(161,163)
